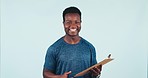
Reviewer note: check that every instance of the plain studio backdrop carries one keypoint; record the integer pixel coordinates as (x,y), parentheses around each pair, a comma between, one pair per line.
(119,27)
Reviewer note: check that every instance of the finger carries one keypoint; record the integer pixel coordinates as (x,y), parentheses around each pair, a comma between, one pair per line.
(94,71)
(68,73)
(98,71)
(100,67)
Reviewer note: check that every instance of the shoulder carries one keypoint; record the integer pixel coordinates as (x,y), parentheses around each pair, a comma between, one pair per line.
(90,45)
(55,45)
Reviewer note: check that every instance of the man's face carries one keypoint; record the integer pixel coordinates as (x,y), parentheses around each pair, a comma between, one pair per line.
(72,24)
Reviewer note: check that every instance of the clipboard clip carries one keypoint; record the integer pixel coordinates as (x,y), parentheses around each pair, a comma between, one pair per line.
(109,55)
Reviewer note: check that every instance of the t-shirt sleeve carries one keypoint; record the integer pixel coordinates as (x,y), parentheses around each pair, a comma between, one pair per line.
(94,61)
(50,62)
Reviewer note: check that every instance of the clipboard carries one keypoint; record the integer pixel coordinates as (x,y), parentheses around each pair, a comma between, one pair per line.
(96,65)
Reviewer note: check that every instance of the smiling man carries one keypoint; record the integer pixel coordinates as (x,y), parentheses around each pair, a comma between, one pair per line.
(71,53)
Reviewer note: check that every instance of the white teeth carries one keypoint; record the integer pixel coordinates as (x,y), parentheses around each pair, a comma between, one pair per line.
(72,29)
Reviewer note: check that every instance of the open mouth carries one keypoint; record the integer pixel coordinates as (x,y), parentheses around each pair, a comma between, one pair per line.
(73,30)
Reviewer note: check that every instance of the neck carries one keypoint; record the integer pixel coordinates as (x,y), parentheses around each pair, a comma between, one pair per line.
(72,40)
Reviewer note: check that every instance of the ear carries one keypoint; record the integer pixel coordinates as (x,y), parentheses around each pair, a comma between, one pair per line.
(63,23)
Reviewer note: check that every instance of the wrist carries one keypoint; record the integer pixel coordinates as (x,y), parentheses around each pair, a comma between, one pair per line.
(98,76)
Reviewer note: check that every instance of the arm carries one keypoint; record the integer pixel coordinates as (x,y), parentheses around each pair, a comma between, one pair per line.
(96,71)
(50,74)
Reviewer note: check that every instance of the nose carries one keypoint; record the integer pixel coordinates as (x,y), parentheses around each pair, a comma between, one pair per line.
(73,26)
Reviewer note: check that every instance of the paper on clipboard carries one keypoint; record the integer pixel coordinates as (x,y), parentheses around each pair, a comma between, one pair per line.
(100,63)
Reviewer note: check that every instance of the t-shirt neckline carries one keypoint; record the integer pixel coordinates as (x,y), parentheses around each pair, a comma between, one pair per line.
(72,44)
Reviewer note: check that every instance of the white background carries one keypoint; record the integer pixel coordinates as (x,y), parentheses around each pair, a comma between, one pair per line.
(119,27)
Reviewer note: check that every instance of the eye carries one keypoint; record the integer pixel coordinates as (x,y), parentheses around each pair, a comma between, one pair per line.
(77,22)
(68,22)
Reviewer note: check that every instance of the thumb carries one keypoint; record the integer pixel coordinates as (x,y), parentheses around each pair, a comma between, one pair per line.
(67,72)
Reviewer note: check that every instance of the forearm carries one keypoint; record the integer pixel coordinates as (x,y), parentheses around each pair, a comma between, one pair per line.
(98,76)
(92,76)
(95,76)
(49,74)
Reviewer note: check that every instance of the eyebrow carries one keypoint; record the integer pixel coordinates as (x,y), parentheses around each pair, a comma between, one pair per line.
(74,20)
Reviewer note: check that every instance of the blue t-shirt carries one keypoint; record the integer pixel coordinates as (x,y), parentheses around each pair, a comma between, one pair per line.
(62,57)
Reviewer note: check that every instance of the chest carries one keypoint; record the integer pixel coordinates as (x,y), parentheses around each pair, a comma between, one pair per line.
(78,53)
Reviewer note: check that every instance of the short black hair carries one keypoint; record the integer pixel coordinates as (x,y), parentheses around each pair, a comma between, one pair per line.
(71,10)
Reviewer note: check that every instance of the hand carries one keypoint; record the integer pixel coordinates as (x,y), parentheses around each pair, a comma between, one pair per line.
(96,70)
(65,75)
